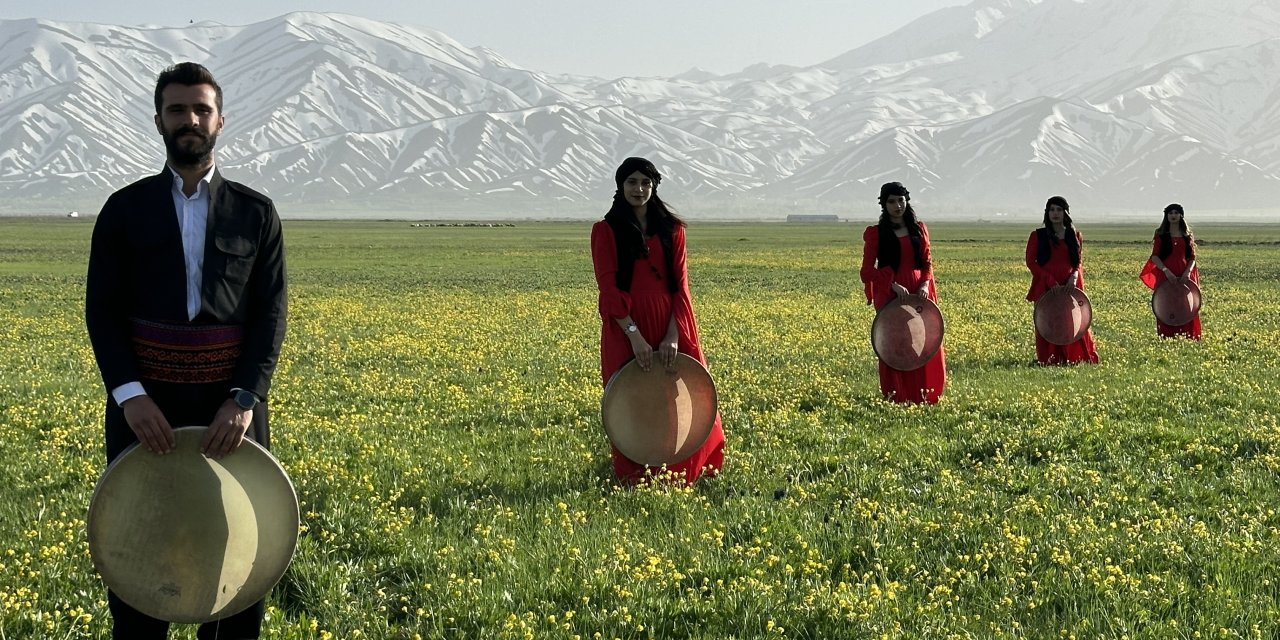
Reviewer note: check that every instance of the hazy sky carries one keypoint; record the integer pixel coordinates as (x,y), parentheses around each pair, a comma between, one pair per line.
(659,37)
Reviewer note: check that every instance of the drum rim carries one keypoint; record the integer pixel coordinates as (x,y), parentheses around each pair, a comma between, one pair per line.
(1193,285)
(1075,292)
(683,359)
(288,558)
(912,298)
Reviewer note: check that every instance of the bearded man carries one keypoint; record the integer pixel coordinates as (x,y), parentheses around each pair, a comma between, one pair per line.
(185,307)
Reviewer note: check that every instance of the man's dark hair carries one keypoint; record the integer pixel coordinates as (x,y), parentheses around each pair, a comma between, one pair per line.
(190,74)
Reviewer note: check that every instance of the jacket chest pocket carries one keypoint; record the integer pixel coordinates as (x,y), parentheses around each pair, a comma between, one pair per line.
(236,255)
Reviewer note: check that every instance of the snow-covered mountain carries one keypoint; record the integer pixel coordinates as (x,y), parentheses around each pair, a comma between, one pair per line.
(996,105)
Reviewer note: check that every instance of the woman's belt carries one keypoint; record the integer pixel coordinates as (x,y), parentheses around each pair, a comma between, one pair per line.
(186,353)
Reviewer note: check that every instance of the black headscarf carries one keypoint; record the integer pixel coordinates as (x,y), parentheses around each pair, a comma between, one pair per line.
(889,253)
(629,240)
(1046,238)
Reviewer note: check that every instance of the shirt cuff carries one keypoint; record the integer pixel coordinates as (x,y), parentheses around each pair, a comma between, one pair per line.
(235,390)
(126,391)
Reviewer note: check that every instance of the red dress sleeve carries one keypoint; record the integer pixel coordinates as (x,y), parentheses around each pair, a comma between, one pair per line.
(927,274)
(1195,266)
(873,279)
(1039,276)
(1150,274)
(614,302)
(1080,267)
(681,300)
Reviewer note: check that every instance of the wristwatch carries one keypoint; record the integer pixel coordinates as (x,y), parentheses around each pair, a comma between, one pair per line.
(632,328)
(245,399)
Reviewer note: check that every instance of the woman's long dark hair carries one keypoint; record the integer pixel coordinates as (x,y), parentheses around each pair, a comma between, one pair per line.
(1046,238)
(1166,238)
(660,220)
(889,253)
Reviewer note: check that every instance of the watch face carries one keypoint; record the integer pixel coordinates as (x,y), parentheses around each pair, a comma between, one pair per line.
(245,399)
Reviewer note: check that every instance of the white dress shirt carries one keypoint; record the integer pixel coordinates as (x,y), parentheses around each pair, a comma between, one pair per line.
(193,217)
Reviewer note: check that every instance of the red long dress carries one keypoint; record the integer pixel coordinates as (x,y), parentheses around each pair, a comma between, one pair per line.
(1153,276)
(1046,276)
(651,306)
(923,385)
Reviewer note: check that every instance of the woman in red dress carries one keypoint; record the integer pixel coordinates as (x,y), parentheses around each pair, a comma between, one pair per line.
(640,263)
(896,261)
(1053,256)
(1173,258)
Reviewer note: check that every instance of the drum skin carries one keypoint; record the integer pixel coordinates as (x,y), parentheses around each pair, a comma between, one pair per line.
(659,417)
(1176,303)
(1063,315)
(907,332)
(189,539)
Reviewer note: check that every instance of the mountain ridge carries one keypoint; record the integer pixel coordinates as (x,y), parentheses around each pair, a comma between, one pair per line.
(331,111)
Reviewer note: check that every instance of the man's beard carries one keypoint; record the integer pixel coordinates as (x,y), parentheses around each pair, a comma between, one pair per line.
(186,154)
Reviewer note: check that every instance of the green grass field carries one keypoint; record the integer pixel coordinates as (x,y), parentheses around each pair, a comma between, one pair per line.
(437,407)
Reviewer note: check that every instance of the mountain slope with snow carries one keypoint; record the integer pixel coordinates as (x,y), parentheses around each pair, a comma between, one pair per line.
(993,105)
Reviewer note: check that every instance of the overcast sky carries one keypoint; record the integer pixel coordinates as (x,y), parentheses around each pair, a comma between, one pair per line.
(659,37)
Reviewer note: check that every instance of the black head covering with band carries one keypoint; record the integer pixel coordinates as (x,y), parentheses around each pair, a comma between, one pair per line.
(632,165)
(893,189)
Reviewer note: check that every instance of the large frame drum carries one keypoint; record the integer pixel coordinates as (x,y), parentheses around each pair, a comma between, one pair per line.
(188,539)
(907,332)
(1063,315)
(1176,303)
(659,417)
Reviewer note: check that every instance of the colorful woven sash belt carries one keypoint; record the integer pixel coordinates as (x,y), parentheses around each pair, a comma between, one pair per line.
(186,353)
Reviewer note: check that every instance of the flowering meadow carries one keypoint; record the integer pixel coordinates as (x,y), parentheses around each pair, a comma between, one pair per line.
(437,407)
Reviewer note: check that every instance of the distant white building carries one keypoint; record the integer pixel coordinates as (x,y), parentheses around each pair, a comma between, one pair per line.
(813,217)
(73,214)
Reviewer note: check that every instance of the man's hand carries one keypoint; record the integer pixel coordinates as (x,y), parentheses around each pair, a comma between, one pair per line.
(148,424)
(227,430)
